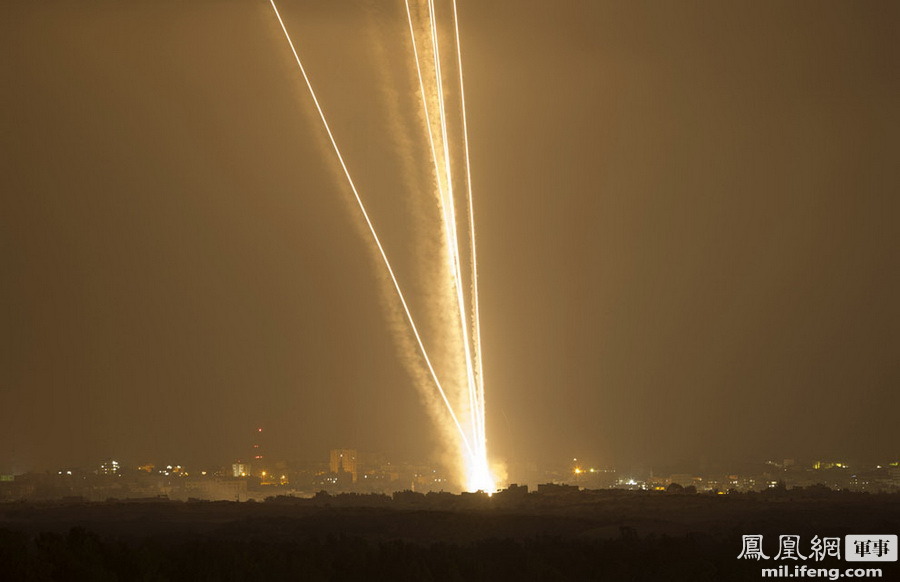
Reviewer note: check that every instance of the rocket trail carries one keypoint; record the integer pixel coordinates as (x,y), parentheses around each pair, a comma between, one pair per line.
(425,104)
(473,445)
(446,199)
(451,223)
(478,473)
(449,217)
(365,214)
(476,314)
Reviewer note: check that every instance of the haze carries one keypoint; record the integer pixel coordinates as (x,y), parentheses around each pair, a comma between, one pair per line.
(686,217)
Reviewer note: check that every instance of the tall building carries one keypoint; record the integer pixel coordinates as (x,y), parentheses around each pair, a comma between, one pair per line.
(253,463)
(344,461)
(256,451)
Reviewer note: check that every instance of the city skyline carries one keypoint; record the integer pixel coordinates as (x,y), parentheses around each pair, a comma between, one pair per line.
(349,471)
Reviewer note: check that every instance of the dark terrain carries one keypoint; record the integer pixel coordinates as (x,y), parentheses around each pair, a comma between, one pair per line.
(607,535)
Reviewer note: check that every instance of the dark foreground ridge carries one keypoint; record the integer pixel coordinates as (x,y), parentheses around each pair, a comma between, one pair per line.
(601,535)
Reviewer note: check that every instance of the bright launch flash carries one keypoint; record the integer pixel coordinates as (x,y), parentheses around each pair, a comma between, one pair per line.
(471,429)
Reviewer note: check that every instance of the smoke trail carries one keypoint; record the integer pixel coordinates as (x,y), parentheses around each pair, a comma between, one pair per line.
(441,303)
(445,197)
(478,473)
(476,312)
(451,222)
(377,241)
(457,324)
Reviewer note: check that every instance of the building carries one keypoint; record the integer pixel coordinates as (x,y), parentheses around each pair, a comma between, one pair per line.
(109,467)
(344,461)
(252,465)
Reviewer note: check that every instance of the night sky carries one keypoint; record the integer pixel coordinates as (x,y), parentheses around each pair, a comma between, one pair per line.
(686,217)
